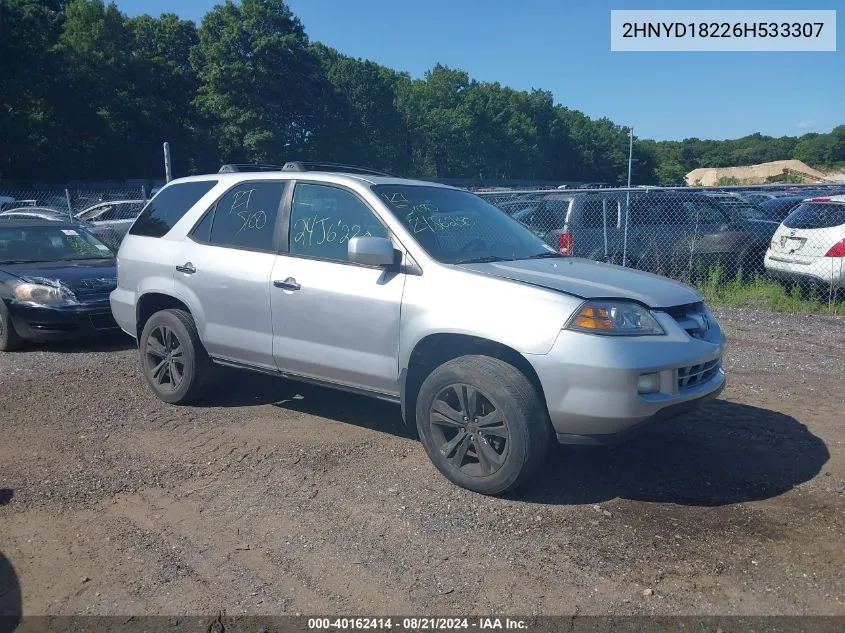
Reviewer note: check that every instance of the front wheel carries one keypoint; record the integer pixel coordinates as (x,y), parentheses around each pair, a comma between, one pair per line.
(482,423)
(173,359)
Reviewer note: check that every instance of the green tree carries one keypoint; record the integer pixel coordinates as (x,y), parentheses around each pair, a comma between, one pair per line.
(29,85)
(258,81)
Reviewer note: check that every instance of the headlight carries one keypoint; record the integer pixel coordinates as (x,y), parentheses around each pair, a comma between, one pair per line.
(616,318)
(42,293)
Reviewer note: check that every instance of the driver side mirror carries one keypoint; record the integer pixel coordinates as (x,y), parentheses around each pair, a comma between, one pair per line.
(372,251)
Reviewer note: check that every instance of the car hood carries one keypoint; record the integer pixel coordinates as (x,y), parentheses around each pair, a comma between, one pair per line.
(85,278)
(592,280)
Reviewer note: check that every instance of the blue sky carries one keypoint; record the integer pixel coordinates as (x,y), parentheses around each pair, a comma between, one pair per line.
(564,47)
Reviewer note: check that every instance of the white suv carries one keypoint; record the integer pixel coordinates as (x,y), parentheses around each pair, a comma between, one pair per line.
(809,245)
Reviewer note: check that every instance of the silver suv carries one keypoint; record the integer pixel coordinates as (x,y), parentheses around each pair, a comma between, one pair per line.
(413,292)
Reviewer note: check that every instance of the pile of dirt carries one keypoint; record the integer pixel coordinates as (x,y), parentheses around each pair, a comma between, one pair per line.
(776,171)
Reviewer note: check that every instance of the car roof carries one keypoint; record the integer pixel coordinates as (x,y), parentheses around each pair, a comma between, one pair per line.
(326,176)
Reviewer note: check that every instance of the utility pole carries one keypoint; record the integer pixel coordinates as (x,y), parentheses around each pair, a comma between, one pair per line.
(628,198)
(168,174)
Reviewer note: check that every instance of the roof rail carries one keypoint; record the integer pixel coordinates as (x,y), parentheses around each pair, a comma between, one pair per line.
(297,165)
(232,168)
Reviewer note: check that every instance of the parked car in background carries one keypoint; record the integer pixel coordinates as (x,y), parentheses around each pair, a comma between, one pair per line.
(672,233)
(809,246)
(117,215)
(417,293)
(595,185)
(780,207)
(43,213)
(55,280)
(748,211)
(104,233)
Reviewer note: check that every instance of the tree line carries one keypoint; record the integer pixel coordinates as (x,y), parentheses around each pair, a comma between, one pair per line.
(88,92)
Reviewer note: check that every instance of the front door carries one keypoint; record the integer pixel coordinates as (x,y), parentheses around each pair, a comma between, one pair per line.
(334,320)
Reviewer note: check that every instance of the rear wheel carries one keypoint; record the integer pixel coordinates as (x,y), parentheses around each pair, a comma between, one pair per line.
(175,363)
(482,424)
(9,339)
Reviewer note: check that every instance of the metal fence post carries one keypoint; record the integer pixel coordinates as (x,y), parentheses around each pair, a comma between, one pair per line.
(144,193)
(69,205)
(167,169)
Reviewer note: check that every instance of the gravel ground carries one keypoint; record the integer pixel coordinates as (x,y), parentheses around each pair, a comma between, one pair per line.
(275,498)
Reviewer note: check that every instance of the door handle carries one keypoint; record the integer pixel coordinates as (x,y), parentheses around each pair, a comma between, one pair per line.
(287,284)
(187,268)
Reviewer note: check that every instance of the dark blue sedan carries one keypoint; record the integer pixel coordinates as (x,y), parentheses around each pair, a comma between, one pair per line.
(55,280)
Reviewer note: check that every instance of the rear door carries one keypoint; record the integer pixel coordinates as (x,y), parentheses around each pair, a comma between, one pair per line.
(224,270)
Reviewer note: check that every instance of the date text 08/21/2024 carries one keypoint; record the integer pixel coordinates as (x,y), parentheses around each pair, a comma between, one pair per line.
(416,624)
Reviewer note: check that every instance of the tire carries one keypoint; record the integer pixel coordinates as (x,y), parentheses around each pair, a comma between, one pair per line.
(164,333)
(460,450)
(9,339)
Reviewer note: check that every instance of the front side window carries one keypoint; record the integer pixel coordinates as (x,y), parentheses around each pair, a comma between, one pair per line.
(455,226)
(324,218)
(168,207)
(244,217)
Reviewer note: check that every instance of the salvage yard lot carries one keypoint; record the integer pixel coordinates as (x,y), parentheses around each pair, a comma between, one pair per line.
(274,497)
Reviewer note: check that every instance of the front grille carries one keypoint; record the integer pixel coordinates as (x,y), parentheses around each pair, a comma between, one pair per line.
(692,318)
(102,321)
(694,375)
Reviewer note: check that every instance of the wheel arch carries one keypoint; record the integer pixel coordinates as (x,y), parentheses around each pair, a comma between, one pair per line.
(435,349)
(150,303)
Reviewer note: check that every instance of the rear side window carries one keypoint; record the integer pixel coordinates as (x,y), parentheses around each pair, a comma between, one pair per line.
(599,212)
(814,215)
(168,207)
(245,217)
(702,211)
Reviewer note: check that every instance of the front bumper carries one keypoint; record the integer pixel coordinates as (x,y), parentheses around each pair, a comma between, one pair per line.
(55,323)
(590,381)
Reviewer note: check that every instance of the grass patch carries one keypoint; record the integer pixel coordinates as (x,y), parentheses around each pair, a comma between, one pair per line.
(764,294)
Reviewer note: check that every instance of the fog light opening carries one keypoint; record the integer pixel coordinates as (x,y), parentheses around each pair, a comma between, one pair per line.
(648,383)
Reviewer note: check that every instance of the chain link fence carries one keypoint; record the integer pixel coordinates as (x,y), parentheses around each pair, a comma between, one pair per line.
(715,239)
(789,235)
(105,212)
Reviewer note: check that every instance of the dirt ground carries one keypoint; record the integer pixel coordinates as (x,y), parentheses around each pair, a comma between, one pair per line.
(276,498)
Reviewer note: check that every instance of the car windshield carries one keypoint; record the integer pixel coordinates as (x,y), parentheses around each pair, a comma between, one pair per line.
(458,227)
(49,244)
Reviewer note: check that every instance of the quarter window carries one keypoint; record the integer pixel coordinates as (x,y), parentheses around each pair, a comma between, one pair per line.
(168,207)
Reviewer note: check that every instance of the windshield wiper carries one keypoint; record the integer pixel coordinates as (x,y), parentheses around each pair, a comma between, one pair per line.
(546,255)
(483,260)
